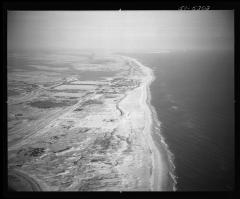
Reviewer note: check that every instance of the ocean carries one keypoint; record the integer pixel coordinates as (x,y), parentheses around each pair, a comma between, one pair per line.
(193,95)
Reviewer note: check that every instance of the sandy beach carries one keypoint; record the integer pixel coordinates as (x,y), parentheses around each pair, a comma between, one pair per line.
(142,97)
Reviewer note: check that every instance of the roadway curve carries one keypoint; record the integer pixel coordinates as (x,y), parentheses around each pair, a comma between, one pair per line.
(18,181)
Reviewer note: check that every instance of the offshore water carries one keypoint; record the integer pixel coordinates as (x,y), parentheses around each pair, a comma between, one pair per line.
(193,95)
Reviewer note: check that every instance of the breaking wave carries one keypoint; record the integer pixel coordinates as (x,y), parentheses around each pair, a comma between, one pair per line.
(157,123)
(170,155)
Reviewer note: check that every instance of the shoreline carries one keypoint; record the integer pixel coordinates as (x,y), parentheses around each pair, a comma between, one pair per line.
(160,177)
(157,177)
(156,126)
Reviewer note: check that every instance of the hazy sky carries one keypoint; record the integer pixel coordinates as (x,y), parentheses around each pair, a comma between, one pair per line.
(120,30)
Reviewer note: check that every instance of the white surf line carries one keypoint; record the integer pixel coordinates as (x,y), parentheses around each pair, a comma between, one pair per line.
(156,177)
(156,162)
(153,112)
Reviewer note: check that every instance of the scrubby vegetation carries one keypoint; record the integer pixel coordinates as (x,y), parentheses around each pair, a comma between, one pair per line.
(92,101)
(51,103)
(78,109)
(12,93)
(31,152)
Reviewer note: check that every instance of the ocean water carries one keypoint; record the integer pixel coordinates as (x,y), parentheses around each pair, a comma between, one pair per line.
(193,95)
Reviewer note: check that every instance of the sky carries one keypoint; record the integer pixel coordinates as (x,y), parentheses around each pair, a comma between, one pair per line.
(121,30)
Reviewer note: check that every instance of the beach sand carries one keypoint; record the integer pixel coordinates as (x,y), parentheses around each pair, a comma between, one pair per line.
(138,111)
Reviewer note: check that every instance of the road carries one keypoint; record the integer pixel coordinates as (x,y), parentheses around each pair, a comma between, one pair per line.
(22,182)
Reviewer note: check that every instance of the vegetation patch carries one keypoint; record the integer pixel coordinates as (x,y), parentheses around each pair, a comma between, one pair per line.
(110,96)
(99,181)
(78,109)
(51,103)
(12,93)
(92,101)
(104,143)
(59,147)
(83,130)
(31,152)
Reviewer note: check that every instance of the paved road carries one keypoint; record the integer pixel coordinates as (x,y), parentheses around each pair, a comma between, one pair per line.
(18,181)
